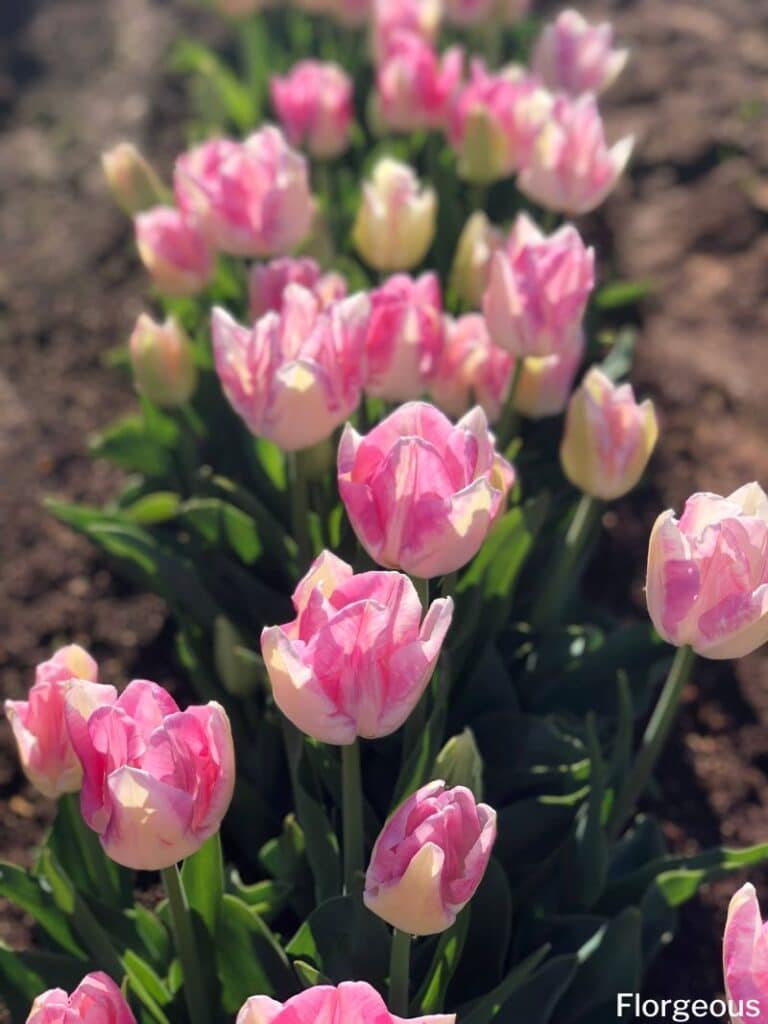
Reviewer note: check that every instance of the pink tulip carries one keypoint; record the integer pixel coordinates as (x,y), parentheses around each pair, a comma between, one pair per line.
(429,859)
(608,437)
(707,583)
(471,370)
(538,289)
(267,283)
(405,336)
(162,360)
(546,382)
(174,252)
(478,241)
(96,1000)
(249,198)
(297,374)
(745,959)
(156,781)
(351,1002)
(415,86)
(494,122)
(392,17)
(357,658)
(396,221)
(575,57)
(570,167)
(469,12)
(38,723)
(314,103)
(421,493)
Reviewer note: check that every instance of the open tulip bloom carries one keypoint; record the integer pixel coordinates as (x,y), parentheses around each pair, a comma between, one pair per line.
(352,1002)
(96,1000)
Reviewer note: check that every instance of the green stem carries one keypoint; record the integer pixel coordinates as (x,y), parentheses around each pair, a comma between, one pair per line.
(400,973)
(352,809)
(192,420)
(300,508)
(509,425)
(654,738)
(478,197)
(186,946)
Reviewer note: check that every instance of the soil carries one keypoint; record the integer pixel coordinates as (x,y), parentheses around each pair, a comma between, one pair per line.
(78,75)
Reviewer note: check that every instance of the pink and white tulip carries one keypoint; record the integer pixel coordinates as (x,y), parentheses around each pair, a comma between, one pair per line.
(174,252)
(608,438)
(478,241)
(96,1000)
(357,658)
(393,17)
(396,220)
(314,104)
(248,198)
(39,727)
(351,1002)
(575,57)
(267,283)
(162,361)
(405,336)
(157,781)
(421,493)
(570,167)
(429,859)
(297,374)
(546,382)
(538,289)
(415,86)
(745,959)
(472,370)
(707,582)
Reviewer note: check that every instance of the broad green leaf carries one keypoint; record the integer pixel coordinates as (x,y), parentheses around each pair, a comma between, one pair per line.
(484,958)
(620,294)
(308,975)
(129,445)
(145,978)
(268,898)
(610,962)
(536,1000)
(431,997)
(202,875)
(223,525)
(151,509)
(249,959)
(35,897)
(485,1010)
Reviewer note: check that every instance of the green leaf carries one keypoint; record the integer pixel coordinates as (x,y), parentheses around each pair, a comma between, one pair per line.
(128,445)
(158,507)
(431,997)
(610,962)
(536,1000)
(202,876)
(484,958)
(35,897)
(268,898)
(152,933)
(485,1010)
(145,978)
(249,958)
(24,974)
(620,294)
(308,975)
(235,98)
(223,525)
(586,859)
(78,850)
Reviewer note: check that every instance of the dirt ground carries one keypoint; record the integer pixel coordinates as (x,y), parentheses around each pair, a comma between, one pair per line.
(76,75)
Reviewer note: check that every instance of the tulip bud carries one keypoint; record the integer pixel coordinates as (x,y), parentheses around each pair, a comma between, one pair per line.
(133,182)
(414,86)
(239,669)
(745,959)
(429,859)
(546,382)
(395,223)
(478,241)
(575,57)
(351,1002)
(314,104)
(163,363)
(707,583)
(608,437)
(173,251)
(96,1000)
(460,763)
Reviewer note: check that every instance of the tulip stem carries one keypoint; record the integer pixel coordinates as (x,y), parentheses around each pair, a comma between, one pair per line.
(509,425)
(352,810)
(186,947)
(300,508)
(654,739)
(400,973)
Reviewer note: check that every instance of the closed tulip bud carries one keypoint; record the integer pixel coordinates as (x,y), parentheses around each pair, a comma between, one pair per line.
(396,221)
(538,290)
(357,658)
(421,493)
(405,336)
(47,757)
(478,241)
(608,437)
(131,179)
(570,167)
(297,374)
(745,959)
(239,669)
(314,104)
(429,859)
(157,781)
(392,17)
(707,582)
(351,1002)
(546,382)
(575,57)
(414,86)
(96,1000)
(472,370)
(174,252)
(163,363)
(249,198)
(267,283)
(460,763)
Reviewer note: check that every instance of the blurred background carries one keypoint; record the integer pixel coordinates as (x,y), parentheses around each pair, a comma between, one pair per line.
(78,75)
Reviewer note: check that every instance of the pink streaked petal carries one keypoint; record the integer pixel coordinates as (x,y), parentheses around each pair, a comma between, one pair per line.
(259,1010)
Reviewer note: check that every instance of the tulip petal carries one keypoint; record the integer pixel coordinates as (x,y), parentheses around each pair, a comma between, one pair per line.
(259,1010)
(413,903)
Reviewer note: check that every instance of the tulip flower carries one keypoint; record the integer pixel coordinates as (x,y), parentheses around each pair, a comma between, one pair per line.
(38,723)
(608,437)
(570,167)
(132,180)
(297,374)
(314,104)
(351,1002)
(395,223)
(538,290)
(421,493)
(478,241)
(157,781)
(414,86)
(96,1000)
(357,657)
(545,383)
(494,122)
(267,283)
(429,859)
(707,582)
(575,57)
(472,370)
(393,17)
(745,959)
(405,336)
(162,360)
(174,252)
(250,198)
